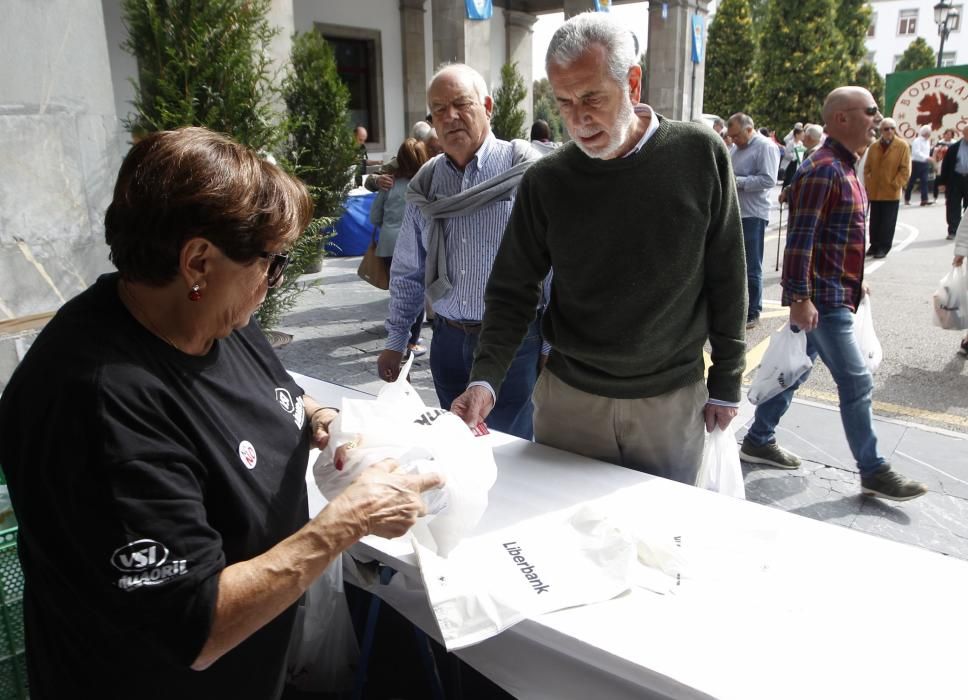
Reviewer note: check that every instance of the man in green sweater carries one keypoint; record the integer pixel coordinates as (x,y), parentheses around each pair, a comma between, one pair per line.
(639,218)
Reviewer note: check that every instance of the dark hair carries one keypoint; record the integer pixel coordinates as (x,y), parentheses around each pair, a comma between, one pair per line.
(410,156)
(540,131)
(176,185)
(764,131)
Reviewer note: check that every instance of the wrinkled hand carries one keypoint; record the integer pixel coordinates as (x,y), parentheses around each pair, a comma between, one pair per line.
(718,415)
(473,406)
(388,364)
(386,503)
(384,182)
(804,316)
(958,260)
(319,426)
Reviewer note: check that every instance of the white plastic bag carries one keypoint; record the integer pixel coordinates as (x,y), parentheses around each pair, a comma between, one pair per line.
(398,425)
(870,346)
(323,651)
(537,565)
(783,363)
(720,470)
(950,300)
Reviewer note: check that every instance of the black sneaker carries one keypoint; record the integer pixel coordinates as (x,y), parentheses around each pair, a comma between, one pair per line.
(892,486)
(769,454)
(963,348)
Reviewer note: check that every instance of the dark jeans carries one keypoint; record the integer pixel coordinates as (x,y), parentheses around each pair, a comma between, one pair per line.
(451,357)
(956,200)
(883,220)
(919,174)
(754,231)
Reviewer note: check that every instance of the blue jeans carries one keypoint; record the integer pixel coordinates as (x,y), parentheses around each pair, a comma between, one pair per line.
(754,231)
(833,340)
(451,357)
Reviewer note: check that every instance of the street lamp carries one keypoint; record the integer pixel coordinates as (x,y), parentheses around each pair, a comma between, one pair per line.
(943,14)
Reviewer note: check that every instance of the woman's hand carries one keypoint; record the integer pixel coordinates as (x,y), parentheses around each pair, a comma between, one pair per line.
(319,422)
(385,502)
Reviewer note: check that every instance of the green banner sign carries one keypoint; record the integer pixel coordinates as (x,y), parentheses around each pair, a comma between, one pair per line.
(937,97)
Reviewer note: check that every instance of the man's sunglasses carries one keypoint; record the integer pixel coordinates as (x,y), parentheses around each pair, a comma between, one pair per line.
(869,111)
(278,262)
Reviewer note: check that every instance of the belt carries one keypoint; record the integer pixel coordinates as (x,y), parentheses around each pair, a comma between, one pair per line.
(470,327)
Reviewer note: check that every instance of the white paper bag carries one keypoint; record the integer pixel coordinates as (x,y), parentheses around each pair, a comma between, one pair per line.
(494,580)
(950,300)
(397,425)
(720,470)
(870,346)
(783,363)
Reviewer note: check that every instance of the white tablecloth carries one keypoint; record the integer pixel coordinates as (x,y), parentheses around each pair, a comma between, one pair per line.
(787,607)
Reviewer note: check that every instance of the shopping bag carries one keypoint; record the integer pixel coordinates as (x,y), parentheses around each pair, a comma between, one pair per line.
(496,579)
(720,470)
(398,425)
(951,300)
(373,268)
(323,651)
(783,363)
(870,346)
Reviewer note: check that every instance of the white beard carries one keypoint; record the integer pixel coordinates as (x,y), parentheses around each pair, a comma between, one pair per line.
(616,137)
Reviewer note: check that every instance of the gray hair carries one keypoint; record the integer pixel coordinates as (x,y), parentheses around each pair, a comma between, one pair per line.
(422,131)
(925,130)
(744,121)
(814,131)
(476,79)
(581,32)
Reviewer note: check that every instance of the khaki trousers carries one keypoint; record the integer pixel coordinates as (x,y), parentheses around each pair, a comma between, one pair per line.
(661,435)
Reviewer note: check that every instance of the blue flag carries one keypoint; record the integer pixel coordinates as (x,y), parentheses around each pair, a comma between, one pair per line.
(479,9)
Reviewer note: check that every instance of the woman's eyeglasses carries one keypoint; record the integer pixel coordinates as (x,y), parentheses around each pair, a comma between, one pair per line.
(278,262)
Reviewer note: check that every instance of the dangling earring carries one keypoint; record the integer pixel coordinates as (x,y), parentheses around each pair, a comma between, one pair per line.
(196,293)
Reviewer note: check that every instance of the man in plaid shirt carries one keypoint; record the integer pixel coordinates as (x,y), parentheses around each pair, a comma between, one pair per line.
(823,273)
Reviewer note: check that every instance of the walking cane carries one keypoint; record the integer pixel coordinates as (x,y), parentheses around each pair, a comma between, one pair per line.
(779,237)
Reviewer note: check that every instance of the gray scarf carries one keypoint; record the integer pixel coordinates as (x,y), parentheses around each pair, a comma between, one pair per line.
(498,188)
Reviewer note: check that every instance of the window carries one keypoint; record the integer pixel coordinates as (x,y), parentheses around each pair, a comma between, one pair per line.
(907,22)
(359,62)
(872,25)
(948,58)
(897,59)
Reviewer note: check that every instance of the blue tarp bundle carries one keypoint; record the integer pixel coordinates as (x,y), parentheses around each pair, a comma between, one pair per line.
(353,230)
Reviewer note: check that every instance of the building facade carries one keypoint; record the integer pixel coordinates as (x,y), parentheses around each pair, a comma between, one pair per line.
(896,23)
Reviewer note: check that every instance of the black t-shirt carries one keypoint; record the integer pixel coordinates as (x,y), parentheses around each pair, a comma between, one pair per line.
(137,474)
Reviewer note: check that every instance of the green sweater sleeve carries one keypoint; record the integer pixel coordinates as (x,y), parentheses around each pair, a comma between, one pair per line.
(513,289)
(726,290)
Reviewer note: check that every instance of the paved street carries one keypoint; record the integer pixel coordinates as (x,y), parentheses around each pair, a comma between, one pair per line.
(920,394)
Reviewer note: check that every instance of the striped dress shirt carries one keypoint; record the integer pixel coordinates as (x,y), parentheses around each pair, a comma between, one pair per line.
(824,258)
(471,243)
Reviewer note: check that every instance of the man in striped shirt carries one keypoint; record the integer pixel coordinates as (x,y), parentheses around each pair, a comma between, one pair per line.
(477,173)
(823,273)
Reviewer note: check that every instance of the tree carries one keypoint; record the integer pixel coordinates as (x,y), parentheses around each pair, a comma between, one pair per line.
(853,20)
(319,149)
(801,59)
(507,119)
(546,107)
(203,64)
(729,60)
(868,77)
(916,56)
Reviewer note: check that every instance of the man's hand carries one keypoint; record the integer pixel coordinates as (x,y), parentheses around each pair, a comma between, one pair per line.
(782,197)
(958,260)
(473,406)
(865,290)
(804,316)
(319,426)
(718,415)
(384,182)
(388,364)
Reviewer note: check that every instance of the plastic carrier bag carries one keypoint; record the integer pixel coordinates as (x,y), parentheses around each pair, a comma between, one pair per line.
(950,300)
(870,346)
(783,363)
(720,470)
(398,425)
